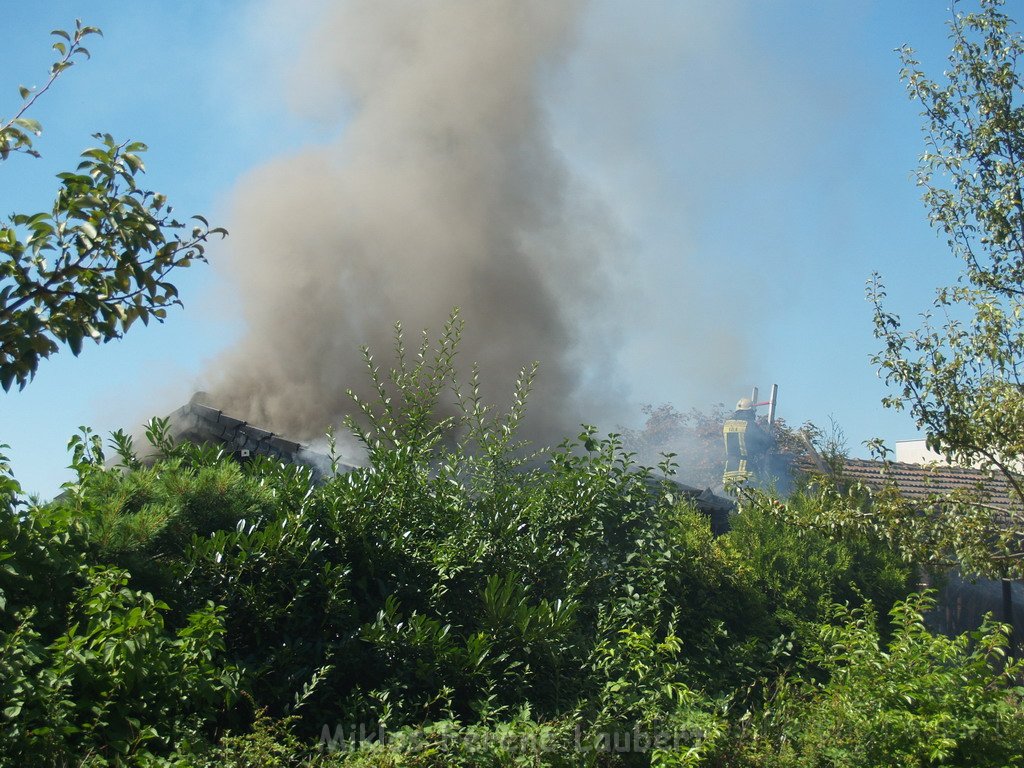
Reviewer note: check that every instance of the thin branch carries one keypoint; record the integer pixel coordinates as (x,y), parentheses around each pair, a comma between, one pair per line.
(55,72)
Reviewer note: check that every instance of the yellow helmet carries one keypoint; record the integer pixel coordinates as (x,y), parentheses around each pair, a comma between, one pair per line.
(745,404)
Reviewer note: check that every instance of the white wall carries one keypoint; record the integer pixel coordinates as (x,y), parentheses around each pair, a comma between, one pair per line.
(916,452)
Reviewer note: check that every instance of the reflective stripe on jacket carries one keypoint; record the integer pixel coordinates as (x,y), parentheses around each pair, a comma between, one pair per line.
(736,456)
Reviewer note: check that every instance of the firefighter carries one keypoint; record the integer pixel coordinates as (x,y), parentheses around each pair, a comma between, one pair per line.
(746,445)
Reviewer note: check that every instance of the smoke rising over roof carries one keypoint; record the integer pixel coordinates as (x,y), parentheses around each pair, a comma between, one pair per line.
(443,189)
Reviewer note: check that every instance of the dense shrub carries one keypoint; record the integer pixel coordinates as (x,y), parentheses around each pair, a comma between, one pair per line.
(799,566)
(467,600)
(920,699)
(116,683)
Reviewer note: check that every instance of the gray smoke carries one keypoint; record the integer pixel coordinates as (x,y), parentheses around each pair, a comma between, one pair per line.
(443,189)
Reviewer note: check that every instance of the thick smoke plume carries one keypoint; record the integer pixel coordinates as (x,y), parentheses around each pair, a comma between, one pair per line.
(443,189)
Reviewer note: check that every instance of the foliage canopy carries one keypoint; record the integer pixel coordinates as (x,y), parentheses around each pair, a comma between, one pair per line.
(99,259)
(484,608)
(960,373)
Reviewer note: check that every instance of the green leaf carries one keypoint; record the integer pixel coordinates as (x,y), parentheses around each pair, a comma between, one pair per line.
(74,339)
(33,126)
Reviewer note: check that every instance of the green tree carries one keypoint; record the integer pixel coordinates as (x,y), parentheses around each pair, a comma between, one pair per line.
(89,671)
(961,372)
(99,259)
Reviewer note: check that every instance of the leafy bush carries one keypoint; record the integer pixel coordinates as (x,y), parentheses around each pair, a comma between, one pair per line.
(796,562)
(115,683)
(447,578)
(467,599)
(920,699)
(40,559)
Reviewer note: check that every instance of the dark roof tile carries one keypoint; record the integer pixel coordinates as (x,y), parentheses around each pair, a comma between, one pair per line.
(278,443)
(229,421)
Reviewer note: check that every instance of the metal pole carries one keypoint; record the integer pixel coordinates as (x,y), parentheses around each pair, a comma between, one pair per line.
(771,404)
(753,398)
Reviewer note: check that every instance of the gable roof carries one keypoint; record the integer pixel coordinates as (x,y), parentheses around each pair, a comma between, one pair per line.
(195,422)
(198,423)
(923,483)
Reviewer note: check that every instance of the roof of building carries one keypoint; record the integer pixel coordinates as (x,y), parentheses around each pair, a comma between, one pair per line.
(920,482)
(715,507)
(200,423)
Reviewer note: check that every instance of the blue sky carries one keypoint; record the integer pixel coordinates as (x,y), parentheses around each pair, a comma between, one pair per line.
(756,159)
